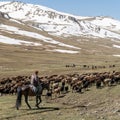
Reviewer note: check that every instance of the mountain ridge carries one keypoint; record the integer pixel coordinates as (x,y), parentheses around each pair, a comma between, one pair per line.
(50,27)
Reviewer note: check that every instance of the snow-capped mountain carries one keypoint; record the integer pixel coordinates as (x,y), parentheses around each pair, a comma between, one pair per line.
(50,26)
(58,23)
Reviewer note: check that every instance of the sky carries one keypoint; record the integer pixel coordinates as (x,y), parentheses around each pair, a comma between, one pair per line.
(81,7)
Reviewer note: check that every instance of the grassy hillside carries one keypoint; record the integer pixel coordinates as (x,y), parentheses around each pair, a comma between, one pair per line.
(15,60)
(18,60)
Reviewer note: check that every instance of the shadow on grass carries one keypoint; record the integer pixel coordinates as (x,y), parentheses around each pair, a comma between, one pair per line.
(46,108)
(32,111)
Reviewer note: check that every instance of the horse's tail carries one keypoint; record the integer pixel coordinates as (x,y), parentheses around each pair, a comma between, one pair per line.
(19,97)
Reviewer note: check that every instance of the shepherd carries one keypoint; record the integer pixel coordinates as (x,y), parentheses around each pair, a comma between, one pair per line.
(34,89)
(36,83)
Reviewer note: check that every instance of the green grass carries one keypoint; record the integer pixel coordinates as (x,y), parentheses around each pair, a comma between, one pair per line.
(99,104)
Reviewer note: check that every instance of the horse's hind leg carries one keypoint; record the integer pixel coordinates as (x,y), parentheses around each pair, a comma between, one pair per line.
(19,97)
(26,101)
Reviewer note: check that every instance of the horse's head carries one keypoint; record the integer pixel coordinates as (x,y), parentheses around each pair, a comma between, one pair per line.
(45,85)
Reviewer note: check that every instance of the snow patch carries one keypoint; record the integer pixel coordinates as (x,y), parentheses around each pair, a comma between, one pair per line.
(116,55)
(64,51)
(8,40)
(16,30)
(116,46)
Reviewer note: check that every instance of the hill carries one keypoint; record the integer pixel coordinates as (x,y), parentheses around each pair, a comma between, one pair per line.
(36,37)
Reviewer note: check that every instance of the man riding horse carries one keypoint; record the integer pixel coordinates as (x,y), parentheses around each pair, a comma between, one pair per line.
(34,89)
(36,85)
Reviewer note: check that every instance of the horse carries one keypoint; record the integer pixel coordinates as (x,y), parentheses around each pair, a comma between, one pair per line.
(26,90)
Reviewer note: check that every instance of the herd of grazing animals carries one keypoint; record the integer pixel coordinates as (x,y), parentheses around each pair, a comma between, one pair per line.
(58,84)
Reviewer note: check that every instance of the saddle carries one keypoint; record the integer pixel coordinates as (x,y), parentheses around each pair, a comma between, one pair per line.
(25,87)
(29,89)
(33,90)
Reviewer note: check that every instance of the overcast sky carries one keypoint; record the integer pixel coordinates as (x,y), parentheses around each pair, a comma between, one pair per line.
(81,7)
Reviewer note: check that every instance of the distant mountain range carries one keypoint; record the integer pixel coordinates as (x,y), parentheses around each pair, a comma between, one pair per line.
(20,23)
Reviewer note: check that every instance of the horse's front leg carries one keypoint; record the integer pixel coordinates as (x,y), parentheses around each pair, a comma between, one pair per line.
(26,101)
(38,100)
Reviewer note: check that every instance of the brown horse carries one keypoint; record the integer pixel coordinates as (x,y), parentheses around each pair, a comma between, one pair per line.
(27,91)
